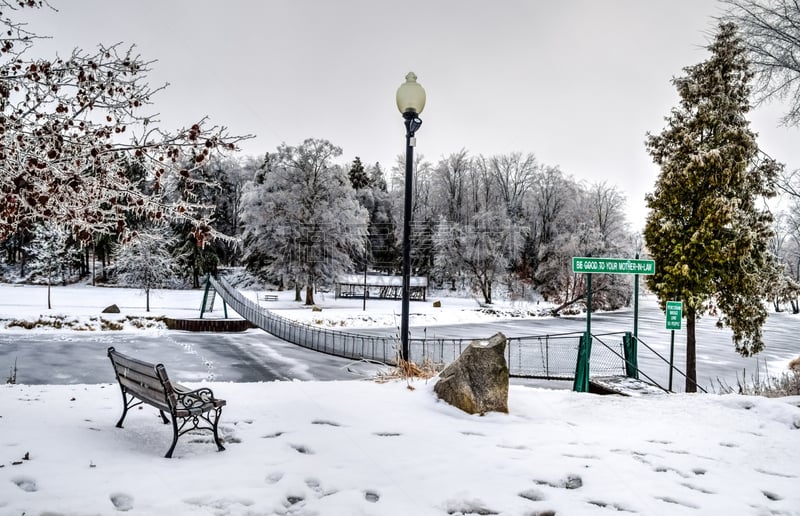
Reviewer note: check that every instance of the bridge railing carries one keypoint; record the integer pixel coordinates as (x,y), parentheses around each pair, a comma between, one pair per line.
(551,357)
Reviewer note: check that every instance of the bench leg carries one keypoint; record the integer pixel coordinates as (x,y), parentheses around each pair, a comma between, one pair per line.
(163,417)
(174,437)
(124,410)
(217,413)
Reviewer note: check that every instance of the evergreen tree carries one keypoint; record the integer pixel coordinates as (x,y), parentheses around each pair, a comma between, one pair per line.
(358,175)
(705,231)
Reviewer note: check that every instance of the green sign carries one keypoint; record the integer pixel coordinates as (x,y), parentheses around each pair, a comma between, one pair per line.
(612,266)
(674,315)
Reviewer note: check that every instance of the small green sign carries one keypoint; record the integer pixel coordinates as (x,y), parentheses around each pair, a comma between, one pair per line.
(674,315)
(612,266)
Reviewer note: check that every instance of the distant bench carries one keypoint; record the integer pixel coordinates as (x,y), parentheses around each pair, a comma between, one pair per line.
(143,382)
(270,297)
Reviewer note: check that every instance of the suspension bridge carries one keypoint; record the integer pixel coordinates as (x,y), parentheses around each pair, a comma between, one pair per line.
(607,363)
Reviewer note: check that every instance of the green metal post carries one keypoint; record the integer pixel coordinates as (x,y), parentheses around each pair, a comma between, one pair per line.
(589,305)
(671,356)
(205,297)
(636,304)
(629,345)
(581,382)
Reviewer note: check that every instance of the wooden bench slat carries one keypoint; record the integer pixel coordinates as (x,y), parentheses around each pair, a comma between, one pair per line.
(122,361)
(155,398)
(151,381)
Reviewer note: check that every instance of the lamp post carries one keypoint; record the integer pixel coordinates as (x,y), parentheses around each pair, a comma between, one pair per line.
(410,102)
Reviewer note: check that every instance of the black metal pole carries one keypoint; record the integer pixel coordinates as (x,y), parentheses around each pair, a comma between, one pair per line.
(409,184)
(364,306)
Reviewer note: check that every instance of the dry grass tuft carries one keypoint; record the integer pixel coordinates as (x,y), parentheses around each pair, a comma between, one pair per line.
(408,370)
(786,384)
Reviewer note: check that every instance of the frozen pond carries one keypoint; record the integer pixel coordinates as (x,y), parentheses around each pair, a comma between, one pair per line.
(252,356)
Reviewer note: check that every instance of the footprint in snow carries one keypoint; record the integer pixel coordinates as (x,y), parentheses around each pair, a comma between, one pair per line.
(27,484)
(324,422)
(299,448)
(121,501)
(274,478)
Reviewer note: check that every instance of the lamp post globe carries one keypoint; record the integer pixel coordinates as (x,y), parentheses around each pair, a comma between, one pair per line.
(411,95)
(410,102)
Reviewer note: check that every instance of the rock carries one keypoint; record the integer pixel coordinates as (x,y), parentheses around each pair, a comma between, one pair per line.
(315,308)
(113,309)
(477,381)
(794,364)
(437,304)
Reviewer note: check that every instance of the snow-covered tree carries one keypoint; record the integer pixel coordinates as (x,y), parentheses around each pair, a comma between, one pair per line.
(481,249)
(52,252)
(69,128)
(771,33)
(303,221)
(513,176)
(145,261)
(705,229)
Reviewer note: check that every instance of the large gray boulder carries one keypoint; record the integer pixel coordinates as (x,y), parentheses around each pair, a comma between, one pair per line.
(477,381)
(112,309)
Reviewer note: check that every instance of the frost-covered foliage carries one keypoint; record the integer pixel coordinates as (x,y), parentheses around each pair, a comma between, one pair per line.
(480,249)
(771,32)
(145,261)
(705,228)
(52,252)
(301,218)
(383,250)
(70,127)
(555,216)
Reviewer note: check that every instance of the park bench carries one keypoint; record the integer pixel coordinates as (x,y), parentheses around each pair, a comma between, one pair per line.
(143,382)
(270,297)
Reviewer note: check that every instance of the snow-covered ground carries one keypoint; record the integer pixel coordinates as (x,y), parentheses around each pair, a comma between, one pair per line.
(351,312)
(82,305)
(362,447)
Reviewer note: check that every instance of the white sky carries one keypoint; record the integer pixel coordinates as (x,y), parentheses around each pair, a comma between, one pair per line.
(576,82)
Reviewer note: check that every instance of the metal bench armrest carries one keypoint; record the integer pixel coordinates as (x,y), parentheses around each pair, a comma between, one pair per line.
(195,398)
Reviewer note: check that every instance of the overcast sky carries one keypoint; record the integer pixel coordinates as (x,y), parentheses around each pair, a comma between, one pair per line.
(576,82)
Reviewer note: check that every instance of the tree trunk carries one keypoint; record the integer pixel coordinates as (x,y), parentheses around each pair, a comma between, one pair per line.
(486,289)
(309,295)
(49,306)
(691,354)
(147,299)
(297,296)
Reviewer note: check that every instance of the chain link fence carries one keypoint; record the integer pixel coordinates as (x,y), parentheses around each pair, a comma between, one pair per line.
(550,357)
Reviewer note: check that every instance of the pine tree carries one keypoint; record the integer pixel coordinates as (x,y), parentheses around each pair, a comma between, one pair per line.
(358,175)
(705,231)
